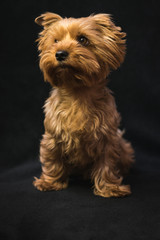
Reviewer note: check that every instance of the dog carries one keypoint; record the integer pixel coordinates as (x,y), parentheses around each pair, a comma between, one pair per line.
(81,120)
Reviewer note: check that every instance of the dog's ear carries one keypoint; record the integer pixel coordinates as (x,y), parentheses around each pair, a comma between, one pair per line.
(47,19)
(105,21)
(114,38)
(102,19)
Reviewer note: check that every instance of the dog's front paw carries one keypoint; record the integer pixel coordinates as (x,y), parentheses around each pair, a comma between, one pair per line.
(113,191)
(44,185)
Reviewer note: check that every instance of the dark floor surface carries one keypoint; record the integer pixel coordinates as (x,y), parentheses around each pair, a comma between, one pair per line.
(75,213)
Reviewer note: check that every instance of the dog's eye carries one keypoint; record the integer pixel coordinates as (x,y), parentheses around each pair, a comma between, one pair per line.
(83,40)
(56,41)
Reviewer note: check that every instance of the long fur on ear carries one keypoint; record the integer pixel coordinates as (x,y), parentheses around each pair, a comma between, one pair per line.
(47,19)
(102,19)
(113,37)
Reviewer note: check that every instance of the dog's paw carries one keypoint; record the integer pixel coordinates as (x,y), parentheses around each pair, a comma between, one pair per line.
(43,185)
(114,191)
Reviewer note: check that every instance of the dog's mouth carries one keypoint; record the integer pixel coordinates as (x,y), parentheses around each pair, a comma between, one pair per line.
(70,74)
(61,68)
(64,66)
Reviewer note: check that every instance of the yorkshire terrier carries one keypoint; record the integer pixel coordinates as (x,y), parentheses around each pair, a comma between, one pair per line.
(81,119)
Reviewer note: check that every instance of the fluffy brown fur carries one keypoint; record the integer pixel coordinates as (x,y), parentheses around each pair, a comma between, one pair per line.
(81,120)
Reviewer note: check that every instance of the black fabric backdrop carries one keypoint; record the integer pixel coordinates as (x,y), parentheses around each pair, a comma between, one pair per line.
(75,213)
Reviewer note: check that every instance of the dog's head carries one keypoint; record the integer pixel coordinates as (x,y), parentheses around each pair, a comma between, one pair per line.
(79,52)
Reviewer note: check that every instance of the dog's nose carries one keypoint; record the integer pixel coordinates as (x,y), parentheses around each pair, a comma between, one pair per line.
(61,55)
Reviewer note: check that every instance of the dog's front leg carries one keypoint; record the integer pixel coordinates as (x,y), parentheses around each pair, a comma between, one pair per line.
(106,175)
(54,174)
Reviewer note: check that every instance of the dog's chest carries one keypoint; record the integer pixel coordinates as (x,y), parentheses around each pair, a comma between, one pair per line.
(66,116)
(71,117)
(75,125)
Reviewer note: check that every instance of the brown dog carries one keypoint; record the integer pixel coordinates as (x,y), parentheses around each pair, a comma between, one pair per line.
(81,120)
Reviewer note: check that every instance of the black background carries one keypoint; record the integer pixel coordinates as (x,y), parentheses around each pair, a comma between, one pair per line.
(76,212)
